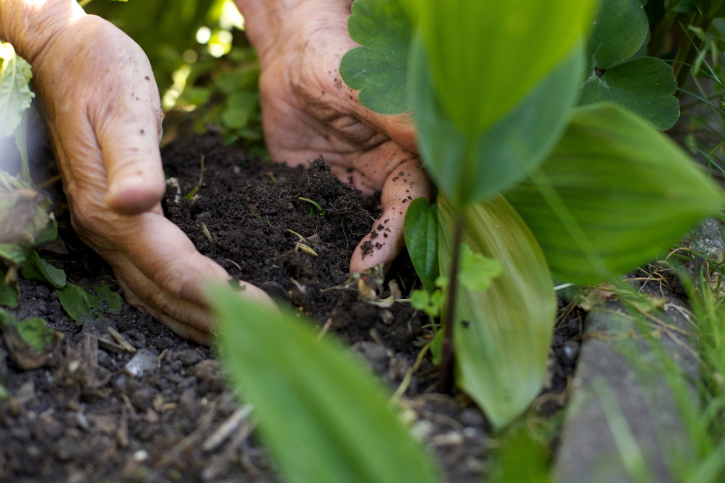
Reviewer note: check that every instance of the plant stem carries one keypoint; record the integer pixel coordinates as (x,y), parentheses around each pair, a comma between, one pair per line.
(448,352)
(688,52)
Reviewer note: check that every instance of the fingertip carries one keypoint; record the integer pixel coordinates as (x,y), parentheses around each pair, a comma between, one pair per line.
(134,194)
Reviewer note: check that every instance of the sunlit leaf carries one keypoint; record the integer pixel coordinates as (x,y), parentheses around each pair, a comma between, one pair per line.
(83,306)
(15,94)
(467,172)
(379,68)
(645,86)
(421,239)
(323,418)
(502,335)
(628,193)
(486,55)
(36,268)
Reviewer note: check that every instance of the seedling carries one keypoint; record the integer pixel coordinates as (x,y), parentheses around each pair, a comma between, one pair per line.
(190,195)
(315,204)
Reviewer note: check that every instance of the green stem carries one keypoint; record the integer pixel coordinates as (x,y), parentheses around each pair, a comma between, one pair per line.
(448,352)
(688,52)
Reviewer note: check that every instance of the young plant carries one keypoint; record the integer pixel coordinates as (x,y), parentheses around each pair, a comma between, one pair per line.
(588,192)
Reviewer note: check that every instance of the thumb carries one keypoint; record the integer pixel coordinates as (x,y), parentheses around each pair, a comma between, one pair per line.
(129,141)
(386,239)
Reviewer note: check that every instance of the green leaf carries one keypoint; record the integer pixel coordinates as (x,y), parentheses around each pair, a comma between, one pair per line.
(620,28)
(239,109)
(486,56)
(322,418)
(30,341)
(489,164)
(521,459)
(379,69)
(8,294)
(501,352)
(38,269)
(476,271)
(644,86)
(626,193)
(82,306)
(36,333)
(421,239)
(15,94)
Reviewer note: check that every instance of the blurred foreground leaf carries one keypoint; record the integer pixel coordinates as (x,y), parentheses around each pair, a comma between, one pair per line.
(29,342)
(15,94)
(421,239)
(323,418)
(469,169)
(629,193)
(486,56)
(24,219)
(379,69)
(82,306)
(501,335)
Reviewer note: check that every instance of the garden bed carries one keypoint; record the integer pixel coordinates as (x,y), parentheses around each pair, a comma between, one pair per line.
(84,416)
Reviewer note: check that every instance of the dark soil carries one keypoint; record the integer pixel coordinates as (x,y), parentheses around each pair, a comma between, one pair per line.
(84,417)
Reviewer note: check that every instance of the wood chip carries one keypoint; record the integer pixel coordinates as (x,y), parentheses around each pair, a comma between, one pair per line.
(107,344)
(121,340)
(226,429)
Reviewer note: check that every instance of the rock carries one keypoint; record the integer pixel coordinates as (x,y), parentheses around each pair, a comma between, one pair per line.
(375,353)
(143,361)
(188,357)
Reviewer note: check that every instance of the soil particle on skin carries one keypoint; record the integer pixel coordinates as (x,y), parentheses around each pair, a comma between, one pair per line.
(85,417)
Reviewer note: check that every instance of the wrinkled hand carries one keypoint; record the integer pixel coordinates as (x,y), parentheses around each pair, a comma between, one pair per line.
(103,114)
(308,110)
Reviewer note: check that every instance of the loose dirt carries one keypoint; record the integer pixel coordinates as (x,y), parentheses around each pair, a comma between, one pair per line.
(85,417)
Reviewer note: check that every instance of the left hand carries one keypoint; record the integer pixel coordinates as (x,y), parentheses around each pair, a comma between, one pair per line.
(308,110)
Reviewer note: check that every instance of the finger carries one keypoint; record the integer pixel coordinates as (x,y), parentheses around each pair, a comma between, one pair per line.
(129,143)
(386,240)
(178,328)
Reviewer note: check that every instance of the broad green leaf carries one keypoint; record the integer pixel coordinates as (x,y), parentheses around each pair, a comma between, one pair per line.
(36,268)
(486,56)
(645,86)
(502,349)
(15,94)
(24,218)
(323,418)
(82,306)
(489,164)
(521,459)
(626,193)
(421,239)
(379,68)
(619,30)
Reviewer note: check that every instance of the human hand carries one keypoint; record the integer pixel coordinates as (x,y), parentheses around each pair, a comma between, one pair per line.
(103,115)
(308,110)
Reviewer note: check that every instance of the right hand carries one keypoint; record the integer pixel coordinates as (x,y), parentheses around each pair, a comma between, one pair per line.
(103,116)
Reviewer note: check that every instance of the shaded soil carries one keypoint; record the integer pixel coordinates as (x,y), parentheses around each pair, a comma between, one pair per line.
(85,417)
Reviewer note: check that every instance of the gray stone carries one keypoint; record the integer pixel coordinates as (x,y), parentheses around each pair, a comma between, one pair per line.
(618,374)
(707,239)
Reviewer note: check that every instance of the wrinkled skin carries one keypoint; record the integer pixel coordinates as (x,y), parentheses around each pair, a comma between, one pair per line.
(105,125)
